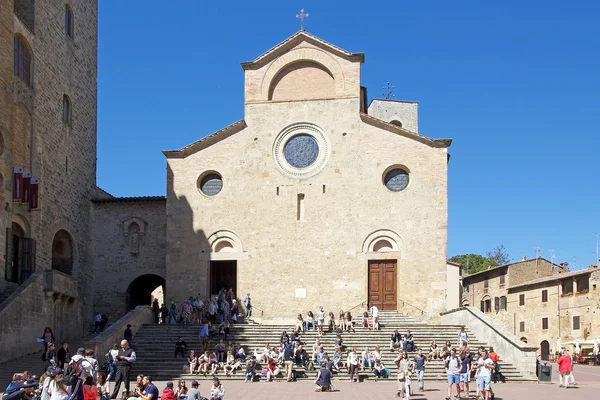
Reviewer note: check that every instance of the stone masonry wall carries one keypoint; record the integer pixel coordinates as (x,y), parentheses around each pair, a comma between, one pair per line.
(405,112)
(6,113)
(345,203)
(115,267)
(62,157)
(24,319)
(65,155)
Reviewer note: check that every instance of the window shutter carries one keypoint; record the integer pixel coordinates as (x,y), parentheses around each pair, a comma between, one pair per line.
(8,256)
(503,303)
(482,306)
(28,258)
(496,303)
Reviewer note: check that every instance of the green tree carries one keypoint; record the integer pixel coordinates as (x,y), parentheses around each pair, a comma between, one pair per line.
(498,255)
(472,263)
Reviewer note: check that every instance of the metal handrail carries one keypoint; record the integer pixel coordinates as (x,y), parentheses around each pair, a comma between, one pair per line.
(362,303)
(423,312)
(262,312)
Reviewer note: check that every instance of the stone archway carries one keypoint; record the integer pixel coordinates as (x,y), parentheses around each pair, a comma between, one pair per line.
(139,292)
(62,252)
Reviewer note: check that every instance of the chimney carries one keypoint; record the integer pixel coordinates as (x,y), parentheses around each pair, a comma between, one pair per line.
(564,267)
(524,258)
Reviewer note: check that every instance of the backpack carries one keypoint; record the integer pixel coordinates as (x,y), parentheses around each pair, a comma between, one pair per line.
(72,373)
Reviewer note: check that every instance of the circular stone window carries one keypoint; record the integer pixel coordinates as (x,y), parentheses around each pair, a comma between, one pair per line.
(301,150)
(396,179)
(210,184)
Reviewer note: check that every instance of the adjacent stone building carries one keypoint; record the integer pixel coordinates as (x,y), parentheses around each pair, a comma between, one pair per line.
(542,303)
(48,69)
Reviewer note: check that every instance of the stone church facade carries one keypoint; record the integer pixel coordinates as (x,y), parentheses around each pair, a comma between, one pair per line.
(313,198)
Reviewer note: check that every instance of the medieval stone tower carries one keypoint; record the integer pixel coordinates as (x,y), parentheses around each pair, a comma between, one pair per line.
(48,95)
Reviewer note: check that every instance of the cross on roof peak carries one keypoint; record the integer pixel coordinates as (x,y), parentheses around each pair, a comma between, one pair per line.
(302,16)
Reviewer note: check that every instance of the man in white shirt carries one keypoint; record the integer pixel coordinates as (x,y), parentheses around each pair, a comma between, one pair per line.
(375,315)
(485,366)
(453,365)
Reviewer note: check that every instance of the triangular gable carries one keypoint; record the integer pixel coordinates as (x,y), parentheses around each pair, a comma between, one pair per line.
(442,143)
(207,140)
(293,41)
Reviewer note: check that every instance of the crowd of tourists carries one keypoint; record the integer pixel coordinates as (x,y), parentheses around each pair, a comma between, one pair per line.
(220,309)
(79,377)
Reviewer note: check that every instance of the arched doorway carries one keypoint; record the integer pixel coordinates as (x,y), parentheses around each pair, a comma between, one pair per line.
(62,252)
(545,350)
(141,288)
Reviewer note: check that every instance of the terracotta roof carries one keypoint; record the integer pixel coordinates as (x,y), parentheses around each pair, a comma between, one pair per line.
(130,199)
(553,278)
(206,141)
(404,132)
(299,36)
(507,265)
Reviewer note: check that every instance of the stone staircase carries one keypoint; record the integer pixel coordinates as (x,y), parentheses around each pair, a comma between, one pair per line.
(154,345)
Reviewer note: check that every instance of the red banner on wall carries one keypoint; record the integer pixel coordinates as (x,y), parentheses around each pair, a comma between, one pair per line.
(17,183)
(33,193)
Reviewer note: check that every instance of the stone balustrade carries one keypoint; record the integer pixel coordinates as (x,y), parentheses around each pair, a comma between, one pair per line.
(59,283)
(507,345)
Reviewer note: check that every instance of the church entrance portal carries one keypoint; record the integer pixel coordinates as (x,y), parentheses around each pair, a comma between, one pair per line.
(223,274)
(382,284)
(141,288)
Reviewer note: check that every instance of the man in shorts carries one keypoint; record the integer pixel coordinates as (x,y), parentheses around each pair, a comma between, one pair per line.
(453,364)
(485,367)
(465,371)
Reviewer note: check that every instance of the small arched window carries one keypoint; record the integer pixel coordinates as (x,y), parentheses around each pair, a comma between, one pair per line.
(22,60)
(68,21)
(66,116)
(397,123)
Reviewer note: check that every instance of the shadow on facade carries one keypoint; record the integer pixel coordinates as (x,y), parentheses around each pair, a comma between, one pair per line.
(192,269)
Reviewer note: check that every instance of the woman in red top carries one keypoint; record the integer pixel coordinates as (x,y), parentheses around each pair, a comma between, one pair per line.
(565,367)
(272,370)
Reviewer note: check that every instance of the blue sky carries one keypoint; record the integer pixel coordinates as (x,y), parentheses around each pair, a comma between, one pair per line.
(516,85)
